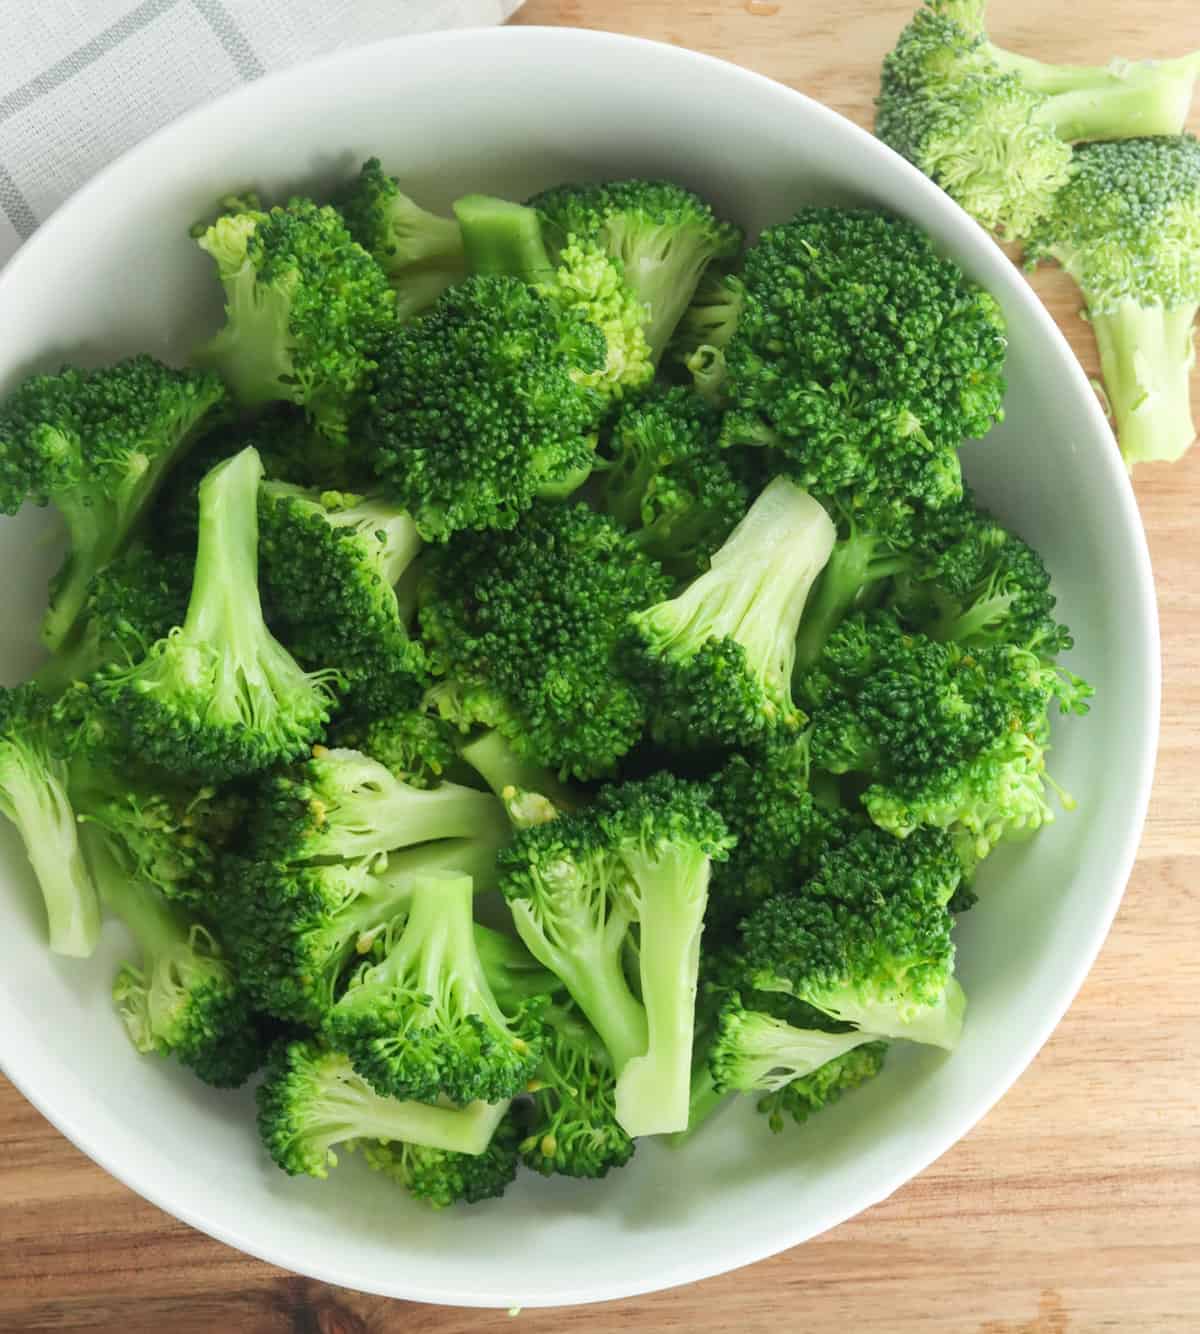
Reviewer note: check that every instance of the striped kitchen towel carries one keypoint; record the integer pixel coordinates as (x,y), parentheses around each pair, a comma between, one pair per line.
(83,80)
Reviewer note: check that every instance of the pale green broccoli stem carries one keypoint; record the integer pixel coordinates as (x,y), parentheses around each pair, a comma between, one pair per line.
(670,892)
(33,795)
(531,793)
(1146,359)
(709,373)
(938,1025)
(771,1053)
(500,237)
(474,856)
(588,960)
(703,1101)
(96,539)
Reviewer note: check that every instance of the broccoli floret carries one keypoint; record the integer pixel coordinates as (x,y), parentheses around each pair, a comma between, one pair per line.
(131,604)
(34,795)
(866,939)
(306,308)
(577,277)
(718,658)
(526,629)
(804,1096)
(576,885)
(182,998)
(855,330)
(330,563)
(416,746)
(441,1177)
(666,480)
(663,236)
(480,406)
(219,696)
(423,1023)
(993,128)
(571,1128)
(311,1100)
(421,252)
(97,444)
(756,1052)
(1126,227)
(342,805)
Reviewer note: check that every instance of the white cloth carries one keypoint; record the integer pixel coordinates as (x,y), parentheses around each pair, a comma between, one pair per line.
(83,80)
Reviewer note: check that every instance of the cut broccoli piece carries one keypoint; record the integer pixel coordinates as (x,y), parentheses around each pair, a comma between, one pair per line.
(808,1094)
(664,237)
(480,406)
(556,593)
(717,660)
(312,1100)
(423,1022)
(1126,227)
(993,128)
(306,309)
(34,795)
(97,444)
(219,696)
(421,252)
(441,1177)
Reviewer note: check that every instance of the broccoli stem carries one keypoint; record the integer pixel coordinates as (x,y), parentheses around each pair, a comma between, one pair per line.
(33,795)
(509,775)
(157,929)
(95,539)
(1146,358)
(653,1090)
(1119,101)
(500,237)
(703,1101)
(936,1025)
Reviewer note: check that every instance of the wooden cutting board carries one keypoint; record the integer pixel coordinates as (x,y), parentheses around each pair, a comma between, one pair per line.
(1074,1207)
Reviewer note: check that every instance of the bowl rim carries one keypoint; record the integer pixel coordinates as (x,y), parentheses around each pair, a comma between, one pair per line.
(20,1056)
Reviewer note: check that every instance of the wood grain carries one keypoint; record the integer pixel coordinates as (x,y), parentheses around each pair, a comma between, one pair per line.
(1074,1207)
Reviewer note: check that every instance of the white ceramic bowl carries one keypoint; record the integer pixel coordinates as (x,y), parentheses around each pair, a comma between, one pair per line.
(511,111)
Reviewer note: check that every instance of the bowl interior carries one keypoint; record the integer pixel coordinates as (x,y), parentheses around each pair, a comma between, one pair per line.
(512,111)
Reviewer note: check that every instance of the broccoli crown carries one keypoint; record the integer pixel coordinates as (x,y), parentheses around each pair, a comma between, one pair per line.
(219,697)
(98,444)
(34,796)
(556,593)
(808,1094)
(341,804)
(571,1128)
(1126,226)
(717,659)
(482,404)
(182,997)
(441,1177)
(668,482)
(755,1051)
(867,938)
(306,308)
(312,1100)
(330,563)
(423,1023)
(854,329)
(663,235)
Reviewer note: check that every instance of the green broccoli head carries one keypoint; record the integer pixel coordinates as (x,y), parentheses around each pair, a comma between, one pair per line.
(557,593)
(311,1100)
(855,330)
(421,252)
(810,1093)
(423,1023)
(219,697)
(667,481)
(35,796)
(1127,228)
(306,308)
(98,444)
(441,1177)
(482,405)
(571,1127)
(994,128)
(866,939)
(717,659)
(664,237)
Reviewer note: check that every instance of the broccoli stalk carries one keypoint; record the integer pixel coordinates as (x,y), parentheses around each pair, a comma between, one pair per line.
(530,792)
(182,999)
(501,237)
(34,796)
(423,1023)
(312,1100)
(220,696)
